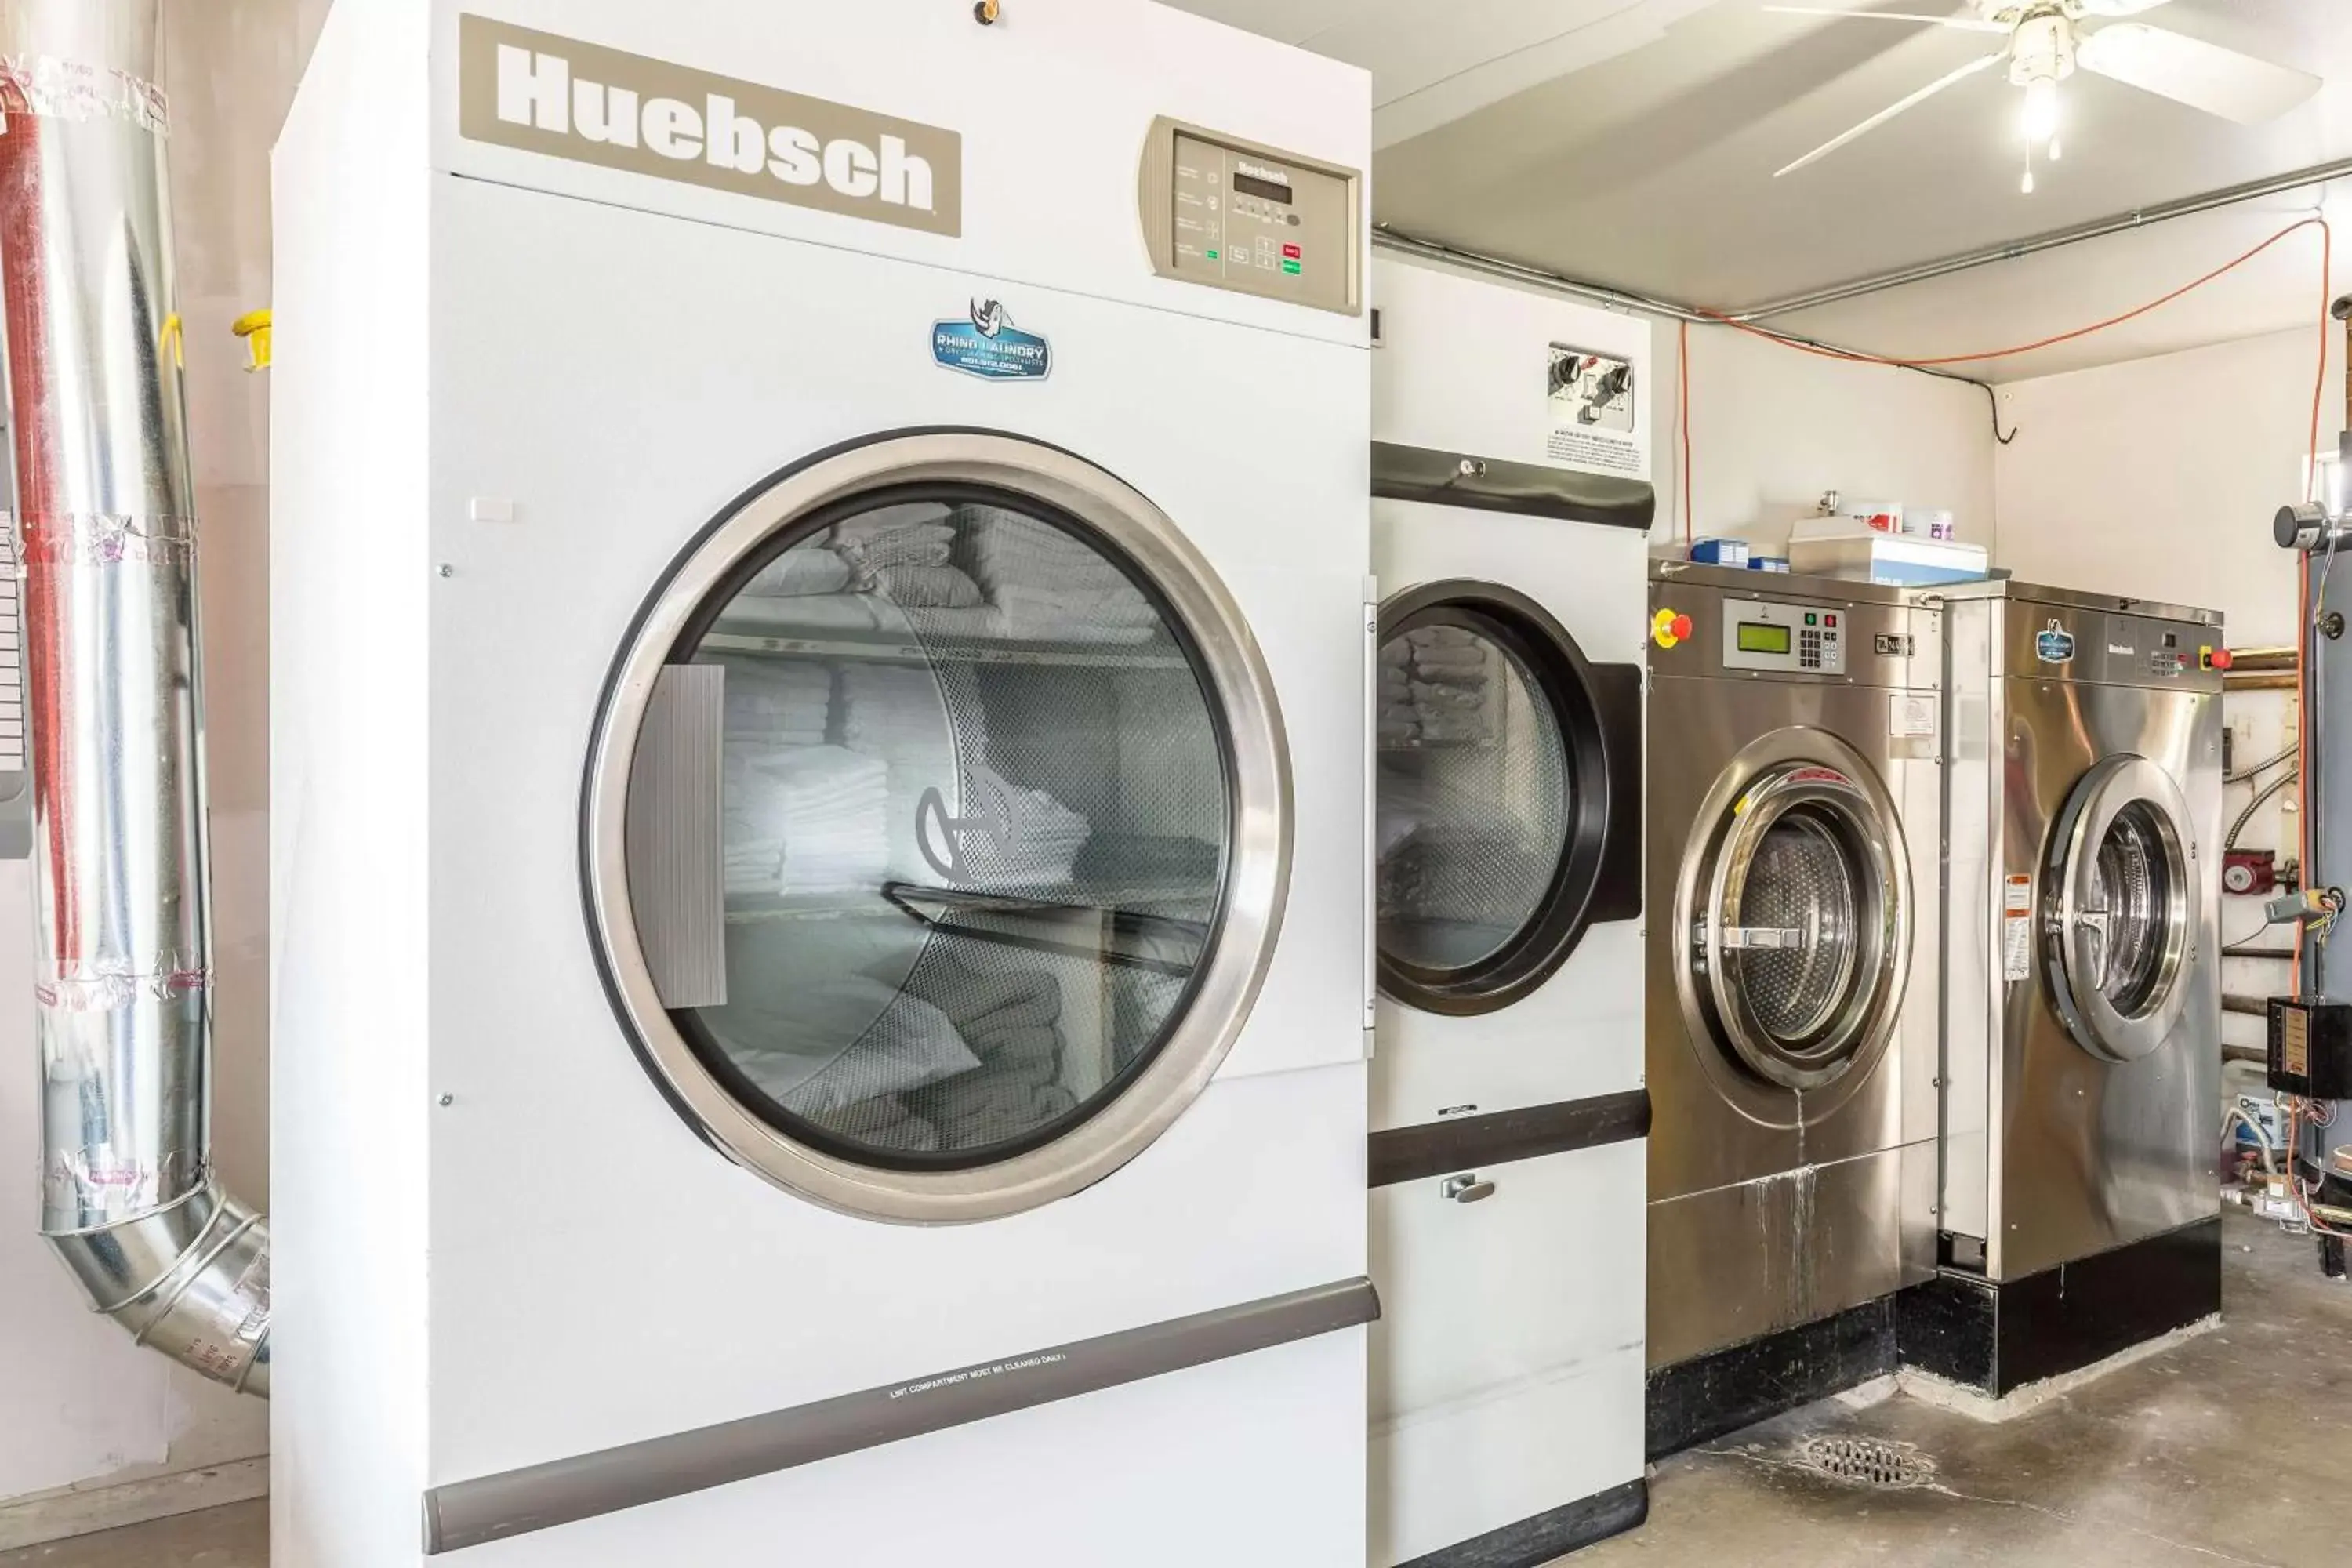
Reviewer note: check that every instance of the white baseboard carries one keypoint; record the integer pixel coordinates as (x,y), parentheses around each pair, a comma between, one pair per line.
(34,1521)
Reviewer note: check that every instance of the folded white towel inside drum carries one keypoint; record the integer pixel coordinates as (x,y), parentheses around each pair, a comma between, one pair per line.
(1022,837)
(810,819)
(799,572)
(845,1041)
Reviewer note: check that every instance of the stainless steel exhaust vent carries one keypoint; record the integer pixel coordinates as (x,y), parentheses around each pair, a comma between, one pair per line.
(105,532)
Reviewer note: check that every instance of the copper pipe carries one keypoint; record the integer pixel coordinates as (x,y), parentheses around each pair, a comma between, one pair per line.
(2261,680)
(2248,660)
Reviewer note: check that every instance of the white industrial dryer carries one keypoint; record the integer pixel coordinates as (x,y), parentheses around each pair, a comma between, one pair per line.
(1510,523)
(820,895)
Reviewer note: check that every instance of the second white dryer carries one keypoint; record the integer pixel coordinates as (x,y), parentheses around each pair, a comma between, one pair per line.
(1508,745)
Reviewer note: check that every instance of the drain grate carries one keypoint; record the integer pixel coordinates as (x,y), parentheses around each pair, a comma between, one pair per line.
(1867,1462)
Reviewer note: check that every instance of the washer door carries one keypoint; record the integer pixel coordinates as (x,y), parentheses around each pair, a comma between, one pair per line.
(938,827)
(1508,797)
(1796,893)
(2116,925)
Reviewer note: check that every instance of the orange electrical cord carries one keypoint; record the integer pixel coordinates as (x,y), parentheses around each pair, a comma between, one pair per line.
(1767,333)
(1682,424)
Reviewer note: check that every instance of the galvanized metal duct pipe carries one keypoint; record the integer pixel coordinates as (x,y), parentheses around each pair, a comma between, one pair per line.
(106,530)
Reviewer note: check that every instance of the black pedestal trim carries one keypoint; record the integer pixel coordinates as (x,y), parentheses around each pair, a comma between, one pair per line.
(1548,1535)
(1721,1392)
(1998,1338)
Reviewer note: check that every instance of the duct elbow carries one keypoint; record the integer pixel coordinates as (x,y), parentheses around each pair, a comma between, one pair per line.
(191,1280)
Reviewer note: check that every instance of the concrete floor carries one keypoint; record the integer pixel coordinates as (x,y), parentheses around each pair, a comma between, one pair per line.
(2230,1448)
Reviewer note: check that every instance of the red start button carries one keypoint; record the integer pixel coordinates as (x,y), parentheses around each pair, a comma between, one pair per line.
(1292,253)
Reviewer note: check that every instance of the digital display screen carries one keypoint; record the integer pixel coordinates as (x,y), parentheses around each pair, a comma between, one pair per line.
(1267,190)
(1758,639)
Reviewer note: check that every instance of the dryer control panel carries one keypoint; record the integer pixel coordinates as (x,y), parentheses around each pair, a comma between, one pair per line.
(1252,219)
(1787,639)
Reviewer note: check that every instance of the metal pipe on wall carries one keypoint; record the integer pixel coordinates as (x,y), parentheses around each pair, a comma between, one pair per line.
(106,527)
(2260,680)
(2253,661)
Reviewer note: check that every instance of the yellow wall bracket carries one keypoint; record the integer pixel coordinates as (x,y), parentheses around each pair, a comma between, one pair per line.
(254,328)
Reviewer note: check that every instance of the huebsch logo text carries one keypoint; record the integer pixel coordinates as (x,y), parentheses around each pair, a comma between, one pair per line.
(547,94)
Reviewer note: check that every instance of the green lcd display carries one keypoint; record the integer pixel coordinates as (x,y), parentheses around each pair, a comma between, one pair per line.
(1755,637)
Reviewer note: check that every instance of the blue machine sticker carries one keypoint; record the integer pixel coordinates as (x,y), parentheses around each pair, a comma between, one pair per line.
(2054,645)
(990,346)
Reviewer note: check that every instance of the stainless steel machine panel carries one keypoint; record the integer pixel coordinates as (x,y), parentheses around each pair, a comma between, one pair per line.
(1792,1028)
(1768,636)
(2081,1048)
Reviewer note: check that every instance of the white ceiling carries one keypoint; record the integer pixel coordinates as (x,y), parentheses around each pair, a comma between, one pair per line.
(1632,142)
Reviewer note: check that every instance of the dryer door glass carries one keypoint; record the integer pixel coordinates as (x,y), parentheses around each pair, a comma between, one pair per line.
(931,841)
(2122,904)
(1495,796)
(1800,948)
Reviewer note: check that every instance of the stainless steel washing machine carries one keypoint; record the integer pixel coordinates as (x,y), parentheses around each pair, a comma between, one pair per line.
(1794,803)
(2081,1048)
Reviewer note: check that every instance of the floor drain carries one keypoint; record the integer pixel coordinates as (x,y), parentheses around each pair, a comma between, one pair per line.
(1867,1462)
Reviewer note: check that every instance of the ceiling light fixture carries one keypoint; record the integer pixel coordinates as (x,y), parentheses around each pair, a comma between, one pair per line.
(2043,42)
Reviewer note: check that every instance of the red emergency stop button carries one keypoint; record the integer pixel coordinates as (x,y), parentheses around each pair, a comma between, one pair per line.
(1668,629)
(2216,658)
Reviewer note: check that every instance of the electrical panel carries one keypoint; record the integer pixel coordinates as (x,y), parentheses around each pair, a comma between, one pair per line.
(2311,1048)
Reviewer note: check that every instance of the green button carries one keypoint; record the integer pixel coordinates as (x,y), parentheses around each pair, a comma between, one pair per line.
(1812,620)
(1212,255)
(1290,266)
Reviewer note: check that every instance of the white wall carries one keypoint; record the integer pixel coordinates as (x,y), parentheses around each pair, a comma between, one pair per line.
(83,1408)
(1772,428)
(2157,478)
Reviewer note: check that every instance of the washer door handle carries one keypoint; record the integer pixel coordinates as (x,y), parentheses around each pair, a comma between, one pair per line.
(1466,1189)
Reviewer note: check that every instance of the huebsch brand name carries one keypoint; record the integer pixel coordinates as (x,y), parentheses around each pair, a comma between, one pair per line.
(517,87)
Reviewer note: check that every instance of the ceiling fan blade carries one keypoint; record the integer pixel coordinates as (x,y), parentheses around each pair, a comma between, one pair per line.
(1961,23)
(1884,115)
(2119,7)
(2191,72)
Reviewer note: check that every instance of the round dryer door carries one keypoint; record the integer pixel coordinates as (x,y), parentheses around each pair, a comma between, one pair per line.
(2116,925)
(1799,893)
(1499,815)
(938,827)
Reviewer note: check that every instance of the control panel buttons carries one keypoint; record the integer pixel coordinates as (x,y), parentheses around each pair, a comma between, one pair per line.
(1669,629)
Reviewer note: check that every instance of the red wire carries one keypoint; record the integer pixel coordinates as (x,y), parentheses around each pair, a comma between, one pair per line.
(2134,314)
(1682,422)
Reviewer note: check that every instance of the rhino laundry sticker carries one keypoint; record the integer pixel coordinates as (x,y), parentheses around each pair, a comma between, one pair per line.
(2054,645)
(544,93)
(987,344)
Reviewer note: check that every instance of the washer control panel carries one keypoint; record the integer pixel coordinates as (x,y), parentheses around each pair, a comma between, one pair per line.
(1232,214)
(1783,639)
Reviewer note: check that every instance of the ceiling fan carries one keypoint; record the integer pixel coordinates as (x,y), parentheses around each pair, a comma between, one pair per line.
(2046,41)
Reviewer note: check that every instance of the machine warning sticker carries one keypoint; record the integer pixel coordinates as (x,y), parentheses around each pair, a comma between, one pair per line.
(1910,717)
(1590,410)
(2054,645)
(990,346)
(2017,929)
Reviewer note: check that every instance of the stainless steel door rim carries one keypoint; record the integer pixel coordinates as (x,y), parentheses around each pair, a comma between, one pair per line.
(1838,970)
(2121,869)
(1254,893)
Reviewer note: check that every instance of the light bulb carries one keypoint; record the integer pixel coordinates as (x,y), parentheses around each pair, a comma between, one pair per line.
(2056,152)
(2041,109)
